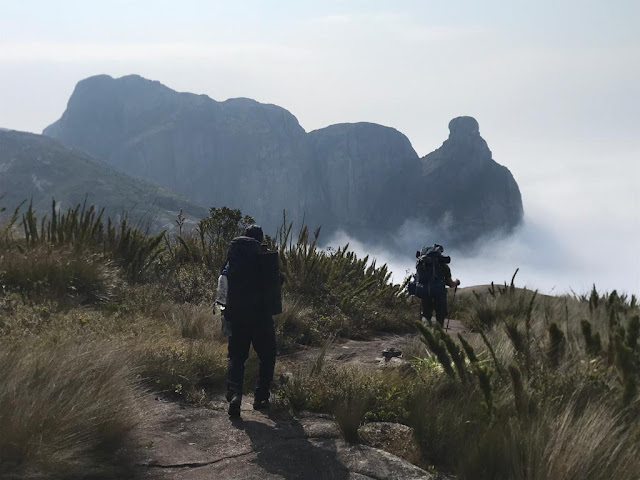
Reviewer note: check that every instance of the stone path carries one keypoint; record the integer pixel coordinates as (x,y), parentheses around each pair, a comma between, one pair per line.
(197,443)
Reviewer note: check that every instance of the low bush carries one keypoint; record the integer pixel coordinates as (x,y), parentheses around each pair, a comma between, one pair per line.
(182,369)
(352,395)
(190,283)
(296,325)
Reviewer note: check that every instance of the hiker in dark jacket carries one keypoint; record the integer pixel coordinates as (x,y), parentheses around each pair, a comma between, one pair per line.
(433,273)
(251,322)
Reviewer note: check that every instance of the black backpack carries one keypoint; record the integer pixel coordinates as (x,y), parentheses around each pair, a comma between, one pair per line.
(254,278)
(430,278)
(243,272)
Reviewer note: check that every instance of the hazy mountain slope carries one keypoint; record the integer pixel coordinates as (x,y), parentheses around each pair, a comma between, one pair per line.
(364,178)
(39,168)
(462,186)
(238,153)
(361,168)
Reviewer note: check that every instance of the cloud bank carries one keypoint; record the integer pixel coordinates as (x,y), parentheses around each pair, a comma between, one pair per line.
(550,261)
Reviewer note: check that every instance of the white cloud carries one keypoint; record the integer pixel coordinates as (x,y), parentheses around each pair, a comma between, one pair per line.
(69,52)
(333,20)
(549,261)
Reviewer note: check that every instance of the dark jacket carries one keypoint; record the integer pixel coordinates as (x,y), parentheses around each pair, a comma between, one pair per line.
(245,299)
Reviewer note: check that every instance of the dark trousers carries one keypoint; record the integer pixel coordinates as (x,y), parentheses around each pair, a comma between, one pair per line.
(437,303)
(264,343)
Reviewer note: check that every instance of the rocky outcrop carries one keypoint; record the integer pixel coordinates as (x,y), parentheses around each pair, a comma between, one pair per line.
(465,192)
(363,178)
(198,443)
(359,168)
(238,153)
(38,169)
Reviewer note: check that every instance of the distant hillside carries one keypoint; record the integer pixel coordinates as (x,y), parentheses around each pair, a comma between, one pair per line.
(363,178)
(39,168)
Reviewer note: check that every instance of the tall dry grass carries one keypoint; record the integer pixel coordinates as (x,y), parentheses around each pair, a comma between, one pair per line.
(68,409)
(530,398)
(45,272)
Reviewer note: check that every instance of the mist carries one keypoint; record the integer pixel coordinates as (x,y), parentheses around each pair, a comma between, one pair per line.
(570,260)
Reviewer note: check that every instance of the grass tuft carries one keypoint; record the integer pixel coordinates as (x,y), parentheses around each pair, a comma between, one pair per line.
(59,274)
(68,410)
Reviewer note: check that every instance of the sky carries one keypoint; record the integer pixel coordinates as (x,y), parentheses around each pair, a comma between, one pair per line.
(554,85)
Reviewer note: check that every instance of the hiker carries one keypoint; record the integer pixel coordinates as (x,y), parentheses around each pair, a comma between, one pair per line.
(433,275)
(248,312)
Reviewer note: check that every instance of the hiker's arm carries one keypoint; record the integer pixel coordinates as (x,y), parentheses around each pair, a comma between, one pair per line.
(450,282)
(453,283)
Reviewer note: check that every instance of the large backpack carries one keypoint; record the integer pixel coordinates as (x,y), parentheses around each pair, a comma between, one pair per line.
(431,270)
(254,278)
(243,274)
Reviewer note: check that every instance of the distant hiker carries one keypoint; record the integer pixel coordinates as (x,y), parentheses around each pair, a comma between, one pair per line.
(432,277)
(253,297)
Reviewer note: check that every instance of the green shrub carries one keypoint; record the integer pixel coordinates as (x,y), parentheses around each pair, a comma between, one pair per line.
(495,306)
(191,283)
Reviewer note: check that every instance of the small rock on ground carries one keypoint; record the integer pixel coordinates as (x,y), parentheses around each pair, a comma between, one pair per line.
(394,438)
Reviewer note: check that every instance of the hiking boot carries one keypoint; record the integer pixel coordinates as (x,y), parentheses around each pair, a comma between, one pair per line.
(234,406)
(426,322)
(261,404)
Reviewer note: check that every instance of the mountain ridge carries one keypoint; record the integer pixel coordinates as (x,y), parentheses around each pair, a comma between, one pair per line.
(39,169)
(361,177)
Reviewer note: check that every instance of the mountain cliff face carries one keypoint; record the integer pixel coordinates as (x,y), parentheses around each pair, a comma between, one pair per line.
(38,169)
(358,168)
(363,178)
(466,192)
(238,153)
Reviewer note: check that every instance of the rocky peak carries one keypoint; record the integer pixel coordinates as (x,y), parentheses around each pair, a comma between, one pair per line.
(462,179)
(355,177)
(463,128)
(464,148)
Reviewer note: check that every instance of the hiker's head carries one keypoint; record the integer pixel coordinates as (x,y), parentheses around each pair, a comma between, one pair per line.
(254,231)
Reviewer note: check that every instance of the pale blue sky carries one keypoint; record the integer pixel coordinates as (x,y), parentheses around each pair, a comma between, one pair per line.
(555,85)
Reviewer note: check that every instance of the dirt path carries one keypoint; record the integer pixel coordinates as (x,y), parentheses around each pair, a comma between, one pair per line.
(365,353)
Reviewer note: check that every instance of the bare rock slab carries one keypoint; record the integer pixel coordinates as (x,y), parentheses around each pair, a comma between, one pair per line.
(196,443)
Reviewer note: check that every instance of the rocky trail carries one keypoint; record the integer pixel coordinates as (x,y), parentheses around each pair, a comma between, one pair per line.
(195,443)
(201,443)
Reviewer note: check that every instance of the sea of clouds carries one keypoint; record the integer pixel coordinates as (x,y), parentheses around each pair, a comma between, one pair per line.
(555,261)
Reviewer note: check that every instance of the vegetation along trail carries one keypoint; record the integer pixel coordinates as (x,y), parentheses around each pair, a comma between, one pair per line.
(113,366)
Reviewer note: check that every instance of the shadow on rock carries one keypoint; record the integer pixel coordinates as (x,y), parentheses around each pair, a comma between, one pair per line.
(285,450)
